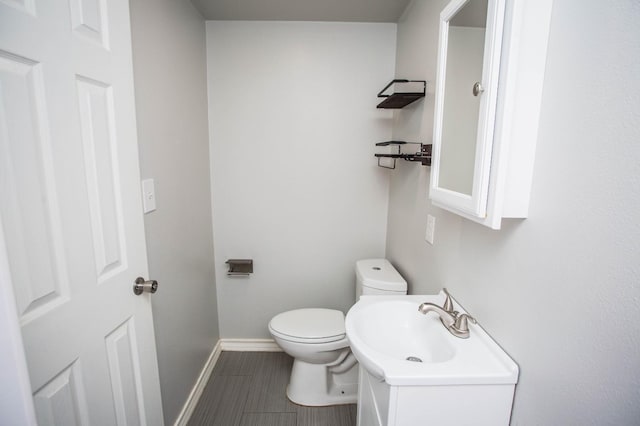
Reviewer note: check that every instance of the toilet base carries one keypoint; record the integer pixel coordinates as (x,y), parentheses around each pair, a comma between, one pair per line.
(316,385)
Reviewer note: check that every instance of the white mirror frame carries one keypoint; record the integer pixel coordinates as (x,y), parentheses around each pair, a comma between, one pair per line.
(476,203)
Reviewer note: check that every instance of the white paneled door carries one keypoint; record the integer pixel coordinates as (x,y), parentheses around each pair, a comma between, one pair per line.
(70,211)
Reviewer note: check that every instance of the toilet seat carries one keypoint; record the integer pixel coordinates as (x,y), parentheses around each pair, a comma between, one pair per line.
(311,325)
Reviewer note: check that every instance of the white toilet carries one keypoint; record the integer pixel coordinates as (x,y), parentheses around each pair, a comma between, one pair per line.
(324,370)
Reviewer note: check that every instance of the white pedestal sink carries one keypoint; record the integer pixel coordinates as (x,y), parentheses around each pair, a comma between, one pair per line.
(414,372)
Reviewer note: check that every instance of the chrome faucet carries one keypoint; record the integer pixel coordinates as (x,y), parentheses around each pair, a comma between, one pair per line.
(456,323)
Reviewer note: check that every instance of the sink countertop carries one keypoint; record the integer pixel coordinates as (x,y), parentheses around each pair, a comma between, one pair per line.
(384,330)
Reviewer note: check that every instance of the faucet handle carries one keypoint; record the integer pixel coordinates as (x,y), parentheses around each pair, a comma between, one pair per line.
(462,322)
(448,303)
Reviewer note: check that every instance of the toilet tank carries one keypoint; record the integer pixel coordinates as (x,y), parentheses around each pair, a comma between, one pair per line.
(378,276)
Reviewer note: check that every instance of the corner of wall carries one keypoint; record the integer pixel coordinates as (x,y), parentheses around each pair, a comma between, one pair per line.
(170,89)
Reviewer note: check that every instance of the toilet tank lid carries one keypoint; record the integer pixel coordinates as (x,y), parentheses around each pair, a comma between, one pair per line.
(380,274)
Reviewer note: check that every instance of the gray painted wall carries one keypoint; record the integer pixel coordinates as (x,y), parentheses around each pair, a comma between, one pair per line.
(170,83)
(293,128)
(559,290)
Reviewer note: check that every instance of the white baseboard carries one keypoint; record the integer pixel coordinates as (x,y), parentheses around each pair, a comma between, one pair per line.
(231,345)
(249,345)
(198,388)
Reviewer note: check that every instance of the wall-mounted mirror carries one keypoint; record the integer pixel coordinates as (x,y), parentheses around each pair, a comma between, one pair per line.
(465,51)
(466,93)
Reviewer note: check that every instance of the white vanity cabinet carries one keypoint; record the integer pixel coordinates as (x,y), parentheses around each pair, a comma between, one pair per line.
(380,404)
(373,400)
(491,63)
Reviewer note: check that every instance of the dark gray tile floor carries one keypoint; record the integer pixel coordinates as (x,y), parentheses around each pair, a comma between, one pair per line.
(248,389)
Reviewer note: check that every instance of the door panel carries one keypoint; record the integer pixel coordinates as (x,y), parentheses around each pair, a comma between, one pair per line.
(88,19)
(95,104)
(124,369)
(71,214)
(62,400)
(27,190)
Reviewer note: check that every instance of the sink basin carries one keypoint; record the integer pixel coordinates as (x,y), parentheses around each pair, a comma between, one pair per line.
(396,343)
(398,331)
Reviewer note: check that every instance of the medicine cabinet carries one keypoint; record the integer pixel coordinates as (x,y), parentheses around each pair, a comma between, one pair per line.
(491,61)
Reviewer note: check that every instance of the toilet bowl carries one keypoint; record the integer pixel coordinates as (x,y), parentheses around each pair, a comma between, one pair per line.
(316,339)
(324,370)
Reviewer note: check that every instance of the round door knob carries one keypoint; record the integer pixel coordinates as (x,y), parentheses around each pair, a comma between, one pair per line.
(477,88)
(143,286)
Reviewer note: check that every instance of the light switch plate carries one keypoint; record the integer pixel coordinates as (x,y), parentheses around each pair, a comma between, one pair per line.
(431,227)
(148,196)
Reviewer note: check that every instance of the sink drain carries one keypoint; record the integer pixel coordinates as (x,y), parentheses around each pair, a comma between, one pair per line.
(414,359)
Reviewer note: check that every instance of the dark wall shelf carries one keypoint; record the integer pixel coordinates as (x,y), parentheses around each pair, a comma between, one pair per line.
(423,156)
(399,99)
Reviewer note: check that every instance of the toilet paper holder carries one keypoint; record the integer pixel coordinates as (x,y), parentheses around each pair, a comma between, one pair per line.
(239,267)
